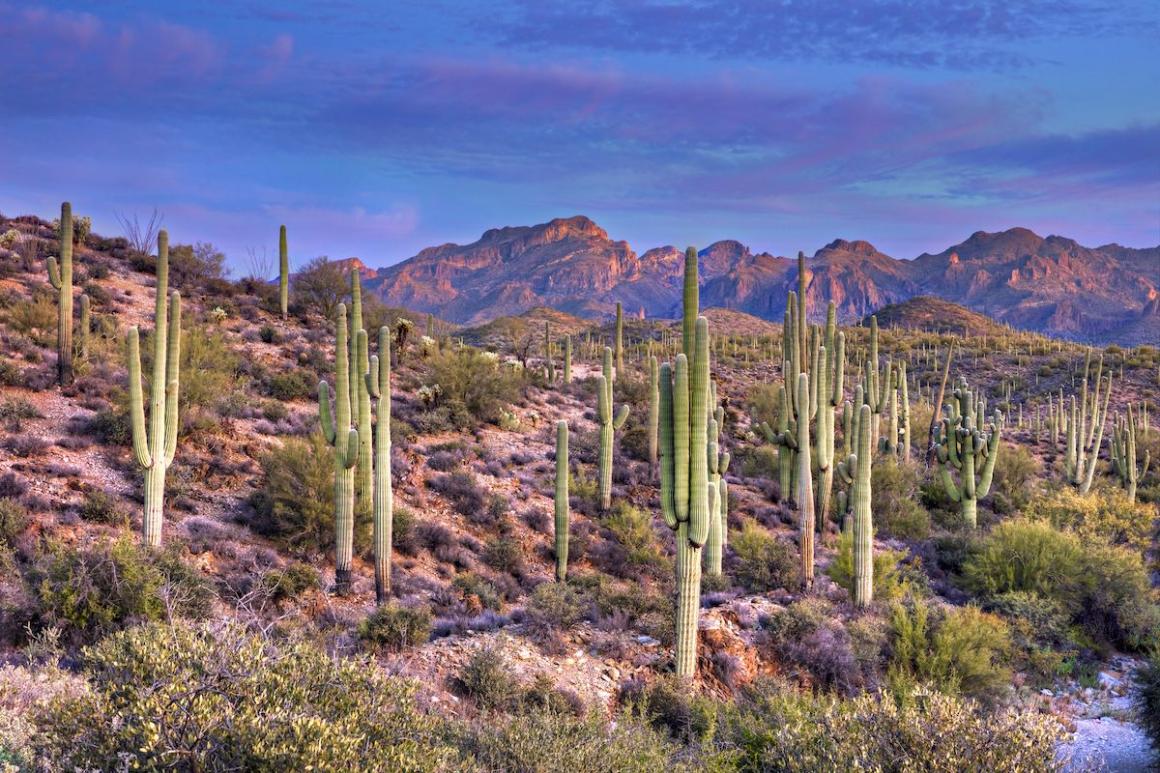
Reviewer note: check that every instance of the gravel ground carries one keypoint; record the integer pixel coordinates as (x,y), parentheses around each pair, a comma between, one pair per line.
(1108,744)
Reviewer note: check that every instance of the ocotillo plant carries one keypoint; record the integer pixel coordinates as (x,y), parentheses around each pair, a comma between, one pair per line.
(608,426)
(378,386)
(156,447)
(283,273)
(654,411)
(962,445)
(619,341)
(561,501)
(685,479)
(344,439)
(1123,453)
(60,276)
(855,471)
(1084,439)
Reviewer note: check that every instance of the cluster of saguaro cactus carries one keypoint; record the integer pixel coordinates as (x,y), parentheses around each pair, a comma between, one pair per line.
(608,426)
(60,276)
(1124,453)
(561,523)
(283,273)
(156,447)
(337,429)
(1083,438)
(855,471)
(684,417)
(378,386)
(964,445)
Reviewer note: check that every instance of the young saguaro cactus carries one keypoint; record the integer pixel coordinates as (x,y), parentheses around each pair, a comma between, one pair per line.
(336,428)
(962,445)
(60,276)
(378,383)
(718,466)
(855,471)
(561,501)
(685,481)
(156,447)
(283,273)
(1124,454)
(608,425)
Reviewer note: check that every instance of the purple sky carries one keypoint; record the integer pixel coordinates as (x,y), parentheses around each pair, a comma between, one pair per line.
(376,129)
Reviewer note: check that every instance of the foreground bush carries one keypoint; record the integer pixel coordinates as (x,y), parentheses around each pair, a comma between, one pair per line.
(393,628)
(215,700)
(295,504)
(1106,515)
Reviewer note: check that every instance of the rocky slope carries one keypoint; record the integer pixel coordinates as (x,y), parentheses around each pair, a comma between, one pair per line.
(1051,285)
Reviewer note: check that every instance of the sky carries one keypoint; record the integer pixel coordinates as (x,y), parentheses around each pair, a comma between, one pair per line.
(375,129)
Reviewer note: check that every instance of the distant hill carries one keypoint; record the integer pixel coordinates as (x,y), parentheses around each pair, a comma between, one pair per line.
(936,315)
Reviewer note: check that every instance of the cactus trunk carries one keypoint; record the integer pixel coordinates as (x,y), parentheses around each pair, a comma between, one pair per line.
(561,501)
(283,273)
(619,342)
(805,486)
(378,383)
(344,439)
(60,276)
(863,526)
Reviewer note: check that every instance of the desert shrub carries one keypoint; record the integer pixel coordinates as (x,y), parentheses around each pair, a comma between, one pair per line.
(222,699)
(632,531)
(291,385)
(504,554)
(958,650)
(12,486)
(393,628)
(1016,478)
(1107,515)
(35,318)
(15,411)
(556,605)
(91,591)
(889,581)
(462,490)
(551,740)
(268,334)
(486,679)
(13,519)
(26,446)
(763,562)
(195,264)
(100,507)
(290,582)
(772,728)
(475,389)
(477,590)
(1148,697)
(897,512)
(762,404)
(668,704)
(318,288)
(10,375)
(295,503)
(1024,556)
(111,426)
(1040,632)
(210,369)
(810,636)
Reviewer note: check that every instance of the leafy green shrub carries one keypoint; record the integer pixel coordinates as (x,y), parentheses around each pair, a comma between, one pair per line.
(291,385)
(100,507)
(91,591)
(1107,515)
(687,717)
(13,519)
(478,590)
(763,562)
(111,426)
(632,530)
(195,264)
(486,679)
(210,368)
(958,650)
(1024,556)
(475,388)
(394,628)
(295,504)
(556,605)
(291,581)
(504,554)
(897,512)
(222,699)
(35,318)
(1016,478)
(889,581)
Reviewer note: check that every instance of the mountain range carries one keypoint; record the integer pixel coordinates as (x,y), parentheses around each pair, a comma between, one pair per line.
(1048,284)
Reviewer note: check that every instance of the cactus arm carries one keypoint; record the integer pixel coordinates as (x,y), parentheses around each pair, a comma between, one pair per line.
(992,453)
(949,484)
(371,377)
(723,464)
(172,425)
(667,451)
(137,400)
(698,437)
(681,438)
(691,302)
(53,273)
(621,417)
(350,458)
(326,417)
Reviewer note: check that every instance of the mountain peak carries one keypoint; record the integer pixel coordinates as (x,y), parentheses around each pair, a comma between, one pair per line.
(857,247)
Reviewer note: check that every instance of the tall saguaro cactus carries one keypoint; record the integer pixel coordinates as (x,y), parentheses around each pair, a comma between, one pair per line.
(378,383)
(283,273)
(336,428)
(829,375)
(156,447)
(60,276)
(608,426)
(567,359)
(1124,454)
(561,501)
(619,341)
(857,472)
(654,412)
(962,445)
(718,505)
(805,485)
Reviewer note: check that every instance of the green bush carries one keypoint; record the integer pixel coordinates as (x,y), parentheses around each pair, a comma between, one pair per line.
(1025,556)
(291,581)
(632,529)
(1106,515)
(556,605)
(486,679)
(13,519)
(1148,697)
(889,581)
(686,716)
(100,507)
(97,589)
(292,385)
(176,697)
(763,562)
(295,504)
(504,554)
(957,650)
(896,509)
(1016,478)
(394,628)
(475,388)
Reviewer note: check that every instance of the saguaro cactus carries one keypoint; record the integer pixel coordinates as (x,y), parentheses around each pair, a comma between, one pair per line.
(857,472)
(1084,439)
(156,447)
(568,359)
(60,276)
(337,430)
(619,341)
(283,273)
(1123,453)
(561,500)
(654,411)
(365,483)
(829,374)
(805,485)
(718,466)
(378,383)
(608,426)
(685,481)
(785,438)
(85,326)
(962,445)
